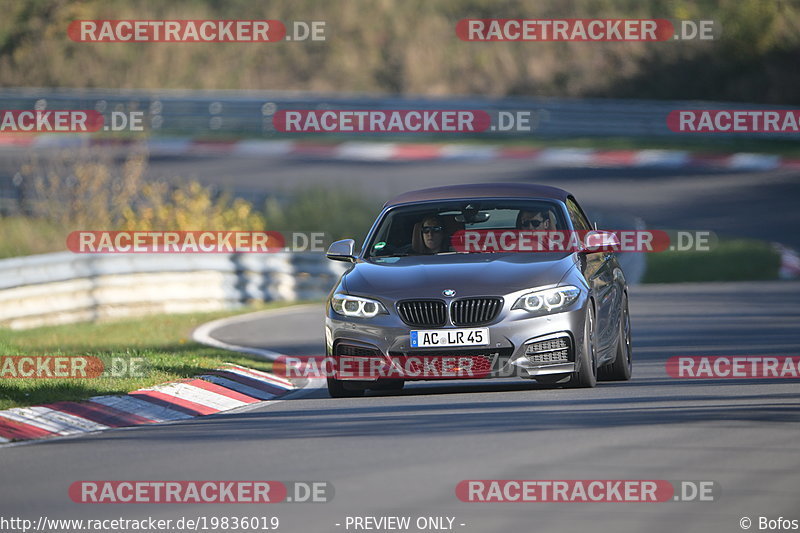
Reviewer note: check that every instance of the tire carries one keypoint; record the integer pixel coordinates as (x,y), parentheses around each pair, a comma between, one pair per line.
(585,377)
(620,368)
(337,389)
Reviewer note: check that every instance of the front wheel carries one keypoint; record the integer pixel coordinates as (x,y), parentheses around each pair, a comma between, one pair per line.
(585,375)
(620,368)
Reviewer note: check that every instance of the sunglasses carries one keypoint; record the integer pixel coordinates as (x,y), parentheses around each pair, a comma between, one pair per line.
(431,229)
(531,223)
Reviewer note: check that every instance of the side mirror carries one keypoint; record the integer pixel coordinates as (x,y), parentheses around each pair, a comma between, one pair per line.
(342,251)
(600,241)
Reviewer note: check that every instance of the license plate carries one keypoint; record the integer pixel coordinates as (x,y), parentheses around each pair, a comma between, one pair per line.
(441,338)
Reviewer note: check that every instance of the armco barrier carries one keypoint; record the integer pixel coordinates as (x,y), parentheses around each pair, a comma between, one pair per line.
(249,113)
(63,287)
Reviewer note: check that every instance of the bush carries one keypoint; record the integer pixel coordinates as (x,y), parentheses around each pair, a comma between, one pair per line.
(734,260)
(340,214)
(87,190)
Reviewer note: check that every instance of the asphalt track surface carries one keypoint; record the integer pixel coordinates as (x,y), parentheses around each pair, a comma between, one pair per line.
(402,454)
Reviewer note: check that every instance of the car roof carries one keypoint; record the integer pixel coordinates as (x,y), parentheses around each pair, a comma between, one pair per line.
(480,190)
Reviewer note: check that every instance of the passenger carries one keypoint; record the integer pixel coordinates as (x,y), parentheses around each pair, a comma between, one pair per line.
(535,220)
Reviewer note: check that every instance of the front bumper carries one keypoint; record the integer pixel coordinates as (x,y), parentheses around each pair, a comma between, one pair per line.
(519,345)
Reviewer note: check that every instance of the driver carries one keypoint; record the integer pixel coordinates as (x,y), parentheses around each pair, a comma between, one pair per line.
(432,229)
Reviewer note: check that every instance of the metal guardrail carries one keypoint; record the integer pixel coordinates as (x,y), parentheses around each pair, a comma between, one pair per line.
(63,287)
(247,113)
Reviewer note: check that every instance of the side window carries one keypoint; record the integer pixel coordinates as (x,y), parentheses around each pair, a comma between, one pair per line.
(579,221)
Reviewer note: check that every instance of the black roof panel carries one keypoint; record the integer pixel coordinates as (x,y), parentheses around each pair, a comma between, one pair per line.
(480,190)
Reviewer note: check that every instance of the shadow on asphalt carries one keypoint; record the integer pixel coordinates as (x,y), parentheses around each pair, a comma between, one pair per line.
(552,410)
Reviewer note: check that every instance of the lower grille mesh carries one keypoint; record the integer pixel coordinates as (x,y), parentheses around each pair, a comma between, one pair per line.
(479,362)
(549,351)
(355,351)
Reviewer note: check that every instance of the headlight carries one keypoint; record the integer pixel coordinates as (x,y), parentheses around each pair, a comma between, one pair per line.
(547,301)
(355,306)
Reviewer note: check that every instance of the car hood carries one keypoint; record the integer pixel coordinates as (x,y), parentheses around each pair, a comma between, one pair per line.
(467,274)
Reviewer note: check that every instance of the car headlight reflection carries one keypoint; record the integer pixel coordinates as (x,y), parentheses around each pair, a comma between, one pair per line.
(547,301)
(355,306)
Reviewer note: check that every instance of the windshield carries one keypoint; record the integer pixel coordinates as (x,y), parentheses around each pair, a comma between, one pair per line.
(433,228)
